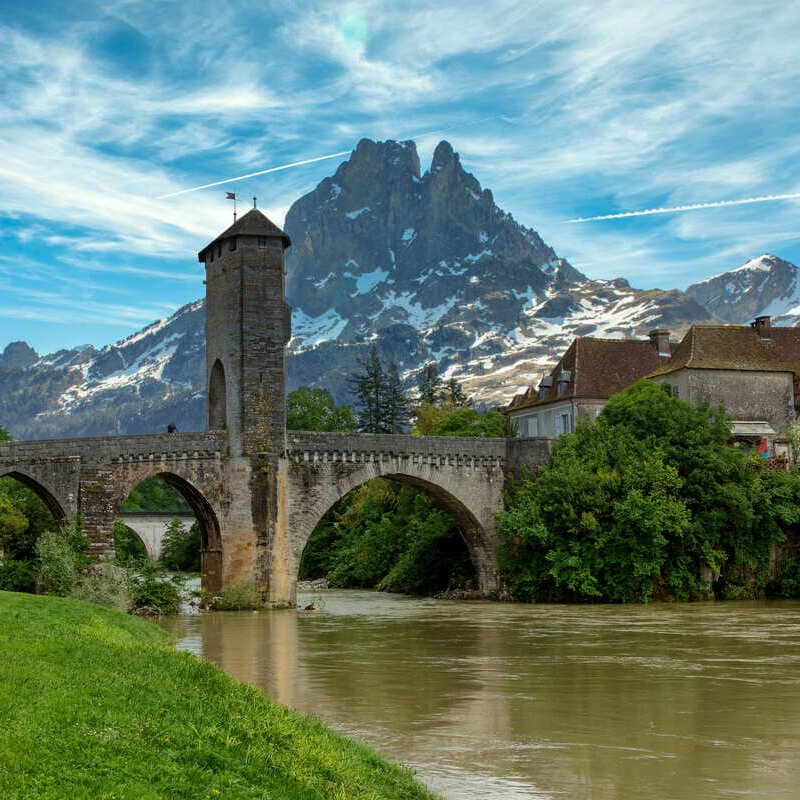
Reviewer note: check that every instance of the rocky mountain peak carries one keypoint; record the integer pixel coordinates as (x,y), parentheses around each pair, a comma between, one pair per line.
(444,157)
(381,245)
(18,355)
(765,284)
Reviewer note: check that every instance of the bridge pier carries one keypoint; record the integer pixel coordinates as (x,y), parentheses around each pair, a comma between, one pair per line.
(98,510)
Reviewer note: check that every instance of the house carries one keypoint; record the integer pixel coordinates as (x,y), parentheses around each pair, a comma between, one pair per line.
(752,370)
(589,372)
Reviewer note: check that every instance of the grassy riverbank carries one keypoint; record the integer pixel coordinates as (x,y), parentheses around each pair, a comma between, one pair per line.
(96,704)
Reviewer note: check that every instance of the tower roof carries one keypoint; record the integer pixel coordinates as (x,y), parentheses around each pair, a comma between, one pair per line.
(253,223)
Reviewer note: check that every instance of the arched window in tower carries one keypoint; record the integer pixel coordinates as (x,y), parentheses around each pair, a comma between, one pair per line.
(217,398)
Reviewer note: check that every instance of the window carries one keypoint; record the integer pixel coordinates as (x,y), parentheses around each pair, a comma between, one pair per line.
(676,390)
(563,424)
(262,242)
(232,245)
(533,427)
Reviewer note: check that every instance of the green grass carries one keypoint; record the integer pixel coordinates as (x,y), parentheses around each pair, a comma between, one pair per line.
(97,704)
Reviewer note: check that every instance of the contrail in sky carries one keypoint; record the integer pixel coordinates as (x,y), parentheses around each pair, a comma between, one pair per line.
(768,198)
(254,174)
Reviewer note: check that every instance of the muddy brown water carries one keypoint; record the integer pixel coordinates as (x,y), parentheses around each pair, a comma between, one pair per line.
(490,700)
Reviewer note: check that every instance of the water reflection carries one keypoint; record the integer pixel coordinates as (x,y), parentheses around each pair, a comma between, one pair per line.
(502,701)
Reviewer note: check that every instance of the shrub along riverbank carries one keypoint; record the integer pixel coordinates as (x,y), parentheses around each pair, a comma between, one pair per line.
(96,704)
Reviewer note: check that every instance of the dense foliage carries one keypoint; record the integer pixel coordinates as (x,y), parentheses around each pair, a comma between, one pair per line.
(23,519)
(180,550)
(127,544)
(449,420)
(386,536)
(649,501)
(315,410)
(155,494)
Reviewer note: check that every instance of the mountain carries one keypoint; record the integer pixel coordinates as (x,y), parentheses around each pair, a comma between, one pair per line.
(425,266)
(137,385)
(764,285)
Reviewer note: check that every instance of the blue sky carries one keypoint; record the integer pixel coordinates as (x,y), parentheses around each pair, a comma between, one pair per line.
(562,109)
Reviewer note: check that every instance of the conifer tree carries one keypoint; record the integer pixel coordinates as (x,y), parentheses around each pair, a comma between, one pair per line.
(455,395)
(368,387)
(430,385)
(396,411)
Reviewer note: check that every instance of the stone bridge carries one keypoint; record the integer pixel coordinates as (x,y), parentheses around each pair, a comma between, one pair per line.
(256,490)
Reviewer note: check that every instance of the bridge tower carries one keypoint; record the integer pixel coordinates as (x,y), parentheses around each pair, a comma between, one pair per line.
(248,324)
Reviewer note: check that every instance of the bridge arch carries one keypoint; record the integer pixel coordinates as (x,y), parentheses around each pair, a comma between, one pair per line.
(204,512)
(39,487)
(318,487)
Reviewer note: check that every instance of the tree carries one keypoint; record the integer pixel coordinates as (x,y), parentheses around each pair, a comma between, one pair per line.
(23,519)
(180,550)
(395,412)
(449,421)
(430,385)
(643,503)
(455,395)
(368,386)
(315,410)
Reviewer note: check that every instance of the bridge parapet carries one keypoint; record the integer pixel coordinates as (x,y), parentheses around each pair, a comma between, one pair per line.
(108,449)
(508,454)
(307,446)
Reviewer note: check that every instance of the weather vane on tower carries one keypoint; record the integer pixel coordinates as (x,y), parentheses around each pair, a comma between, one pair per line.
(232,196)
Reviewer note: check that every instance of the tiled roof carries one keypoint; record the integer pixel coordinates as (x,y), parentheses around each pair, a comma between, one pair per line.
(598,369)
(736,347)
(253,223)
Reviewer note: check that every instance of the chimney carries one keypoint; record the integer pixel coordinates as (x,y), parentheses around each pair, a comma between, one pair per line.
(660,340)
(763,326)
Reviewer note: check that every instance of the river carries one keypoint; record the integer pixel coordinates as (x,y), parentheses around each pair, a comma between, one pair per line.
(491,700)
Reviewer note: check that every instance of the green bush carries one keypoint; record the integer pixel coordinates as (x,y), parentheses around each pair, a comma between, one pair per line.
(17,576)
(23,518)
(387,536)
(104,585)
(315,410)
(61,557)
(153,589)
(155,494)
(237,596)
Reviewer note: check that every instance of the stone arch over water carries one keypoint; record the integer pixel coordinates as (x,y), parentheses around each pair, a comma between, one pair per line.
(322,485)
(205,514)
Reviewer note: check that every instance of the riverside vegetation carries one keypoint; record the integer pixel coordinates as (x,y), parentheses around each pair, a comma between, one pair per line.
(650,501)
(96,703)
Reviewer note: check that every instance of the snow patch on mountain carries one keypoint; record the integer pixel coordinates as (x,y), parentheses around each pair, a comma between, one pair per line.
(311,331)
